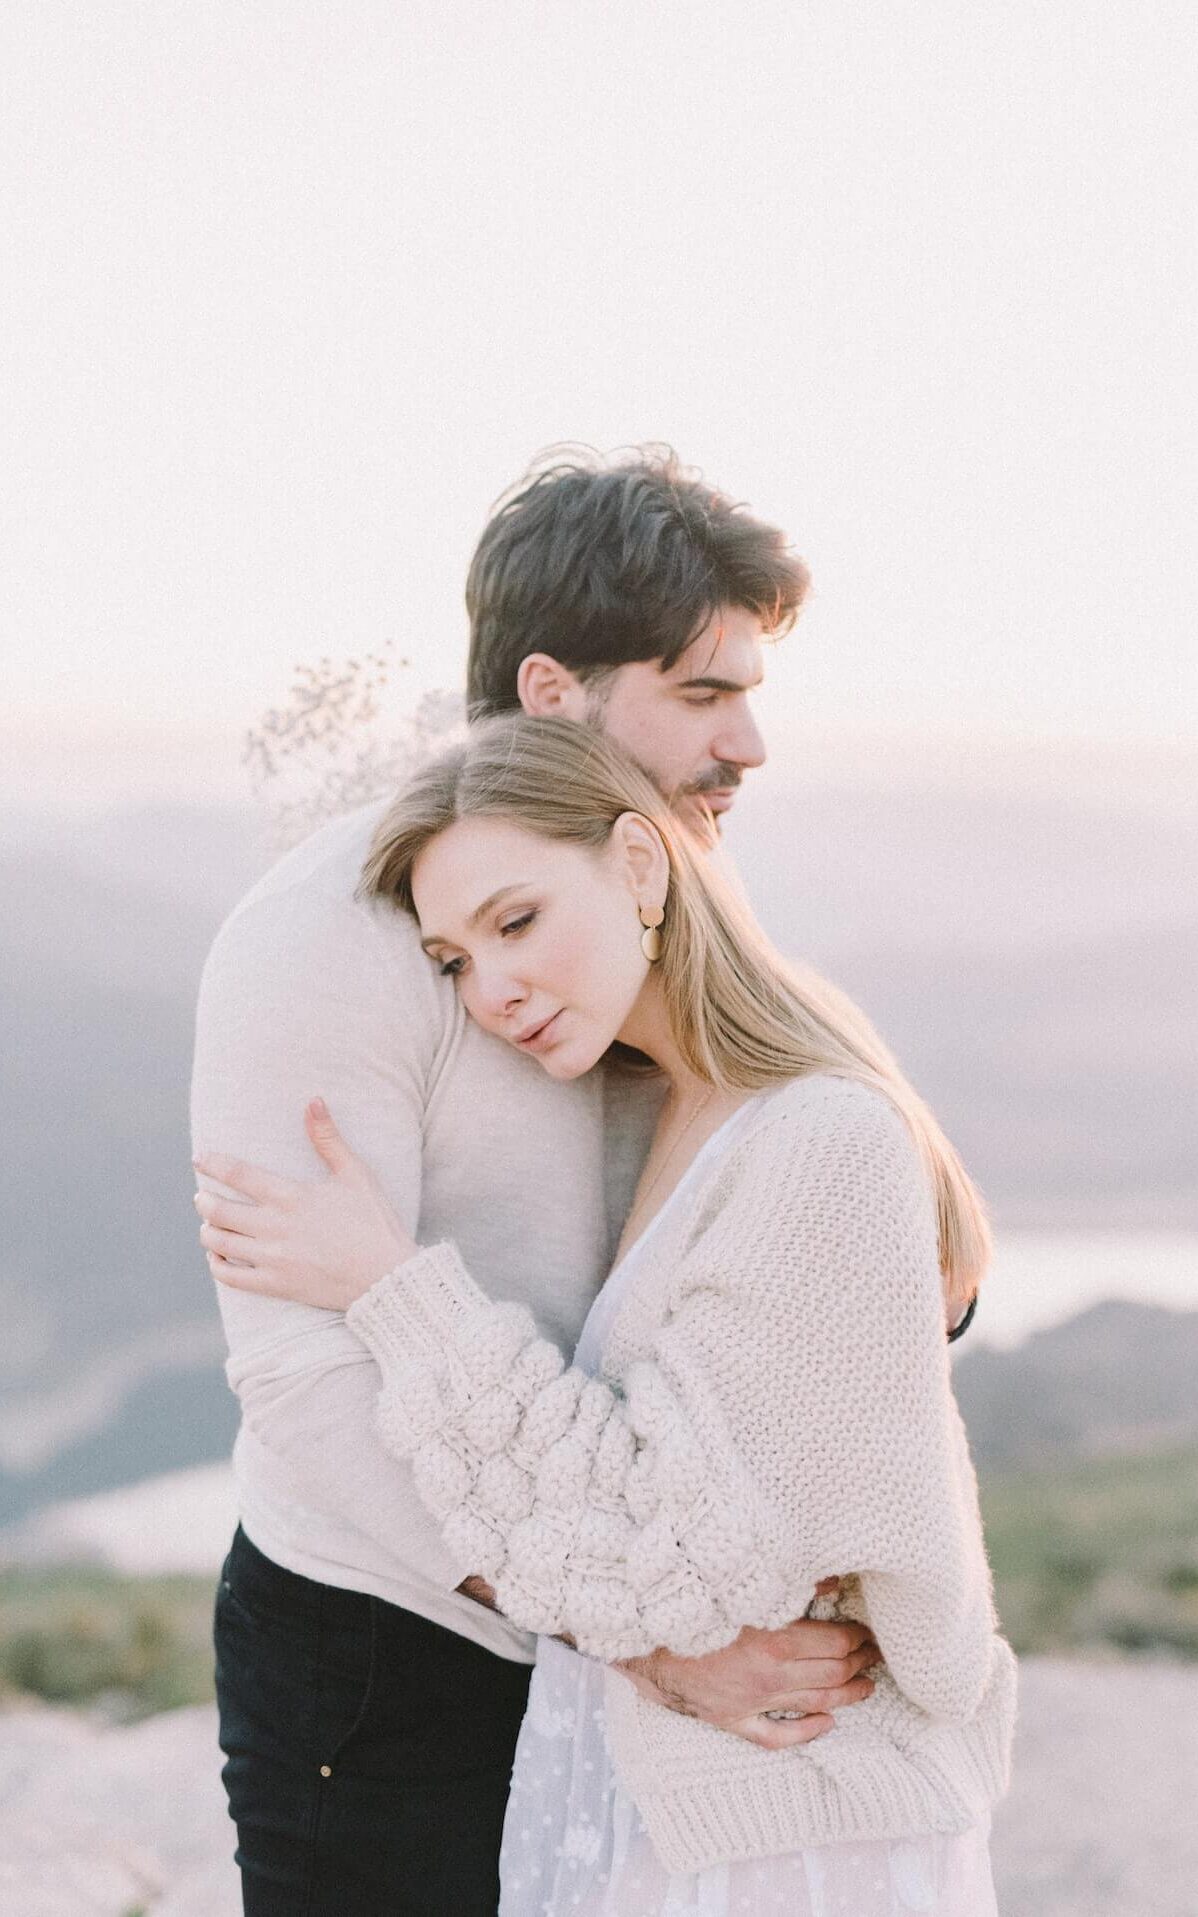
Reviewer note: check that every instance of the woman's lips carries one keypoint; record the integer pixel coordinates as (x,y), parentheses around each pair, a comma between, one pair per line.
(541,1036)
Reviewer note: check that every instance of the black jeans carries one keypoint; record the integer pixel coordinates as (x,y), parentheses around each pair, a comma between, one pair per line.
(369,1751)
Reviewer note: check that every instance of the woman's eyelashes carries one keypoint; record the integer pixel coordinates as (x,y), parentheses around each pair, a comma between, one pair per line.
(452,968)
(517,925)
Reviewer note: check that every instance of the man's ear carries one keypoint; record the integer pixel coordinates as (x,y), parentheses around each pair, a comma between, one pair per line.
(644,858)
(548,690)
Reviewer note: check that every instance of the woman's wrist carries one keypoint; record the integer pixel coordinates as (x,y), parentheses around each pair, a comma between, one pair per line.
(415,1309)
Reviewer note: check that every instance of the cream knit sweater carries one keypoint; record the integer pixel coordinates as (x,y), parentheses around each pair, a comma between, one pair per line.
(775,1408)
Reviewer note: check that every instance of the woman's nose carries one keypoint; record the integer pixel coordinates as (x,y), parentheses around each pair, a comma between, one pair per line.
(498,995)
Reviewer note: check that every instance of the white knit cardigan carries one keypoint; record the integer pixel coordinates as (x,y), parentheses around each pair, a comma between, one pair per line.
(775,1408)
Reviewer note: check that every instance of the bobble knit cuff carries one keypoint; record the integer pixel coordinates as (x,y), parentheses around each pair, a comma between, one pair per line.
(415,1311)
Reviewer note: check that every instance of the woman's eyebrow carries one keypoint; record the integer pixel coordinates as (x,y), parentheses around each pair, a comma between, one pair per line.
(479,913)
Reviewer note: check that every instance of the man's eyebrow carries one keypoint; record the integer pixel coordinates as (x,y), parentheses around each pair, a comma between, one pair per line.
(710,684)
(479,913)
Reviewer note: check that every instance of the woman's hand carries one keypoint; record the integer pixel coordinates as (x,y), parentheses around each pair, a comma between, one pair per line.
(318,1243)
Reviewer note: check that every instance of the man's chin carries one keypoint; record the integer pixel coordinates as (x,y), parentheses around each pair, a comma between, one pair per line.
(703,818)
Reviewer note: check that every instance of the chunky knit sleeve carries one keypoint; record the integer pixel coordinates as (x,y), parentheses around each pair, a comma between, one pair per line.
(608,1514)
(790,1417)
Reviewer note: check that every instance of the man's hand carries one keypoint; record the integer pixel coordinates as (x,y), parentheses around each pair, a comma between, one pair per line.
(809,1667)
(478,1589)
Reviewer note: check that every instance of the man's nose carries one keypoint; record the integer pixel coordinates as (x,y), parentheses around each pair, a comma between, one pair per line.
(740,742)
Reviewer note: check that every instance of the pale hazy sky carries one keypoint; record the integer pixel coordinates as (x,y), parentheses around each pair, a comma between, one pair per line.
(294,291)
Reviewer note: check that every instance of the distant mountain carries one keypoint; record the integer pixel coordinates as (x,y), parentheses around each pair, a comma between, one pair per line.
(859,864)
(1067,1076)
(1031,963)
(1115,1379)
(110,1363)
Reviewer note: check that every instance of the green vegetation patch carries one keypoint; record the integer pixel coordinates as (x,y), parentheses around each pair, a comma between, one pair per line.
(1089,1556)
(129,1646)
(1097,1553)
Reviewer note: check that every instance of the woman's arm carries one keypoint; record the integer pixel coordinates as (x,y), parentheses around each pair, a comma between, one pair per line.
(803,1351)
(792,1419)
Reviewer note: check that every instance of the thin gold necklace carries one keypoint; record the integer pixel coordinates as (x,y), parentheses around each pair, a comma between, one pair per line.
(659,1174)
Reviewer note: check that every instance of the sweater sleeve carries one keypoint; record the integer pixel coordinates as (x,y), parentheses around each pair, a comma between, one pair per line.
(792,1419)
(305,988)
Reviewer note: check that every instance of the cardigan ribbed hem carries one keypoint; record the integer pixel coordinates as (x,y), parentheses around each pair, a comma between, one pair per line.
(792,1809)
(764,1804)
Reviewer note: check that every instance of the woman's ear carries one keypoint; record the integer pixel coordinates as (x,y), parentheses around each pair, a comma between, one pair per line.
(642,854)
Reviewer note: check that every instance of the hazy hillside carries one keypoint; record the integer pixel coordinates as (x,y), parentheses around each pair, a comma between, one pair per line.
(111,1361)
(1116,1379)
(1032,962)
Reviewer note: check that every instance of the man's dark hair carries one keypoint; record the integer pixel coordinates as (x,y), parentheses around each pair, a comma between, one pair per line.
(601,564)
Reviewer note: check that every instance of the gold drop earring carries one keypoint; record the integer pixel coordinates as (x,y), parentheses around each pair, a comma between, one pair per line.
(652,944)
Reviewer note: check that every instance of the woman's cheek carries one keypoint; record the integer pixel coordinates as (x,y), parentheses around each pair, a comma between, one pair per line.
(470,1004)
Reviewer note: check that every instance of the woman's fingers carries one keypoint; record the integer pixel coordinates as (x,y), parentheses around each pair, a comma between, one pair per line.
(327,1140)
(229,1244)
(250,1180)
(240,1277)
(229,1214)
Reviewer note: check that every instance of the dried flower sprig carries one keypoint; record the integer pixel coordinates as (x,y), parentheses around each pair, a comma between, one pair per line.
(322,754)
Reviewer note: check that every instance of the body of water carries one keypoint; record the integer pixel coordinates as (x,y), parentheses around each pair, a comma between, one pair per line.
(1040,1278)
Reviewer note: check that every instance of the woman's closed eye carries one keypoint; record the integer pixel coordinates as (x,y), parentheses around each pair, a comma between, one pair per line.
(517,925)
(453,967)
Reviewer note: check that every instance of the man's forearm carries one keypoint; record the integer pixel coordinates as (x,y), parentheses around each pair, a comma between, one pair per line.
(483,1593)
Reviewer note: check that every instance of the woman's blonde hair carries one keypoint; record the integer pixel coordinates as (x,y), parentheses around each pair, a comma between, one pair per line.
(744,1018)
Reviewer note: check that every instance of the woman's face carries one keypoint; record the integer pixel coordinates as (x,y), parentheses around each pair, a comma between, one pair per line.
(541,938)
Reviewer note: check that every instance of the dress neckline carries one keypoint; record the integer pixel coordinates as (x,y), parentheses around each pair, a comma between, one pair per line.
(607,1302)
(705,1152)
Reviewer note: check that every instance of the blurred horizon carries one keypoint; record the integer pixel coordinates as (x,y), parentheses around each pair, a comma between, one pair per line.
(101,767)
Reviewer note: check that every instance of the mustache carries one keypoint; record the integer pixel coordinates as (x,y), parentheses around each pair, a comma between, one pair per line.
(721,778)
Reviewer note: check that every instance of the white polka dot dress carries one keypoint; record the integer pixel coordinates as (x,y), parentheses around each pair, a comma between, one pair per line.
(574,1844)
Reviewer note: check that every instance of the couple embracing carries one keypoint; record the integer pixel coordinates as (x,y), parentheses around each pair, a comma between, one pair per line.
(595,1316)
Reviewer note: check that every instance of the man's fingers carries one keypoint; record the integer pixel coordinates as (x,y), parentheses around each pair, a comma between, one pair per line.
(808,1638)
(820,1701)
(866,1659)
(782,1733)
(826,1674)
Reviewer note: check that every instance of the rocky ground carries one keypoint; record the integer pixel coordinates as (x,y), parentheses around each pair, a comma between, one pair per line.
(105,1823)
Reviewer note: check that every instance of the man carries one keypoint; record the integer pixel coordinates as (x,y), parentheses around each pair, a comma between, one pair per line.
(370,1698)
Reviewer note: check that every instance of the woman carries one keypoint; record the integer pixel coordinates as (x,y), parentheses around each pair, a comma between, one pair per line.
(773,1330)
